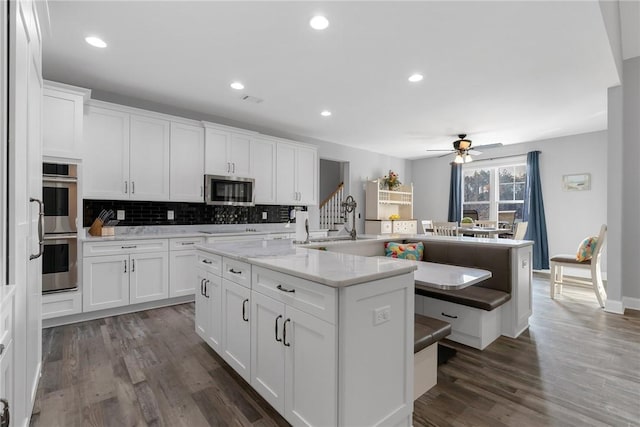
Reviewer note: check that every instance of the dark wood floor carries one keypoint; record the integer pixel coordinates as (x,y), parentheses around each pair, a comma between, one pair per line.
(576,366)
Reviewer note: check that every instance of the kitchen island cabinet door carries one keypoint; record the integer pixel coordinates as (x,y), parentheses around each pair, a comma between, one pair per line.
(149,158)
(187,163)
(149,277)
(203,311)
(213,295)
(236,336)
(311,382)
(268,352)
(106,154)
(105,282)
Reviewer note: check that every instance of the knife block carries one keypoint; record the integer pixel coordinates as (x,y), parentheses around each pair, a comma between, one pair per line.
(99,229)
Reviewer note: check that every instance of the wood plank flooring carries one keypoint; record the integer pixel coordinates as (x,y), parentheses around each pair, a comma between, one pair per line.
(576,366)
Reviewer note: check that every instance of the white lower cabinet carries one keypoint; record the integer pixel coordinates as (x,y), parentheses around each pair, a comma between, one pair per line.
(236,327)
(149,277)
(209,308)
(105,282)
(128,275)
(182,258)
(294,362)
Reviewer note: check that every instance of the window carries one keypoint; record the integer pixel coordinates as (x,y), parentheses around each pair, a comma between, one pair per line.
(494,188)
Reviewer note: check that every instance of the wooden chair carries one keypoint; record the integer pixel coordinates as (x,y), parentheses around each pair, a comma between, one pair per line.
(558,262)
(520,230)
(427,226)
(445,228)
(471,213)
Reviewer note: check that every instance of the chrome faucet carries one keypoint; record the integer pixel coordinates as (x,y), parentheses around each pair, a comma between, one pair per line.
(349,206)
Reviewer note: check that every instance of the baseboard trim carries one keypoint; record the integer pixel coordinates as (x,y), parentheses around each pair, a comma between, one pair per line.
(613,306)
(631,303)
(92,315)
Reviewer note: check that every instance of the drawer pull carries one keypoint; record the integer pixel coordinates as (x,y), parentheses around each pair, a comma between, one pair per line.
(187,243)
(244,310)
(449,316)
(278,318)
(207,261)
(128,247)
(283,289)
(284,333)
(231,270)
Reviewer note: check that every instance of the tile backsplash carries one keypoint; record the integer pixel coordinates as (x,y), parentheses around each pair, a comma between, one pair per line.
(155,213)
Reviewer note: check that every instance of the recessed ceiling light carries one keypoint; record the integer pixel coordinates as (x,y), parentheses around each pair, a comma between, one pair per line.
(319,22)
(416,78)
(95,41)
(237,86)
(325,113)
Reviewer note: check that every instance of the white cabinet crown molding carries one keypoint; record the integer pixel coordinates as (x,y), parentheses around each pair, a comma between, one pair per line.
(75,90)
(142,112)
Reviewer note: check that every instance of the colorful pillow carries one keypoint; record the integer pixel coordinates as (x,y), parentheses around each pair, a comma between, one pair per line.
(413,251)
(586,248)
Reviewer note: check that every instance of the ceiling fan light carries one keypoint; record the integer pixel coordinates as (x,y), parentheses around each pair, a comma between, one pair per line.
(467,158)
(458,160)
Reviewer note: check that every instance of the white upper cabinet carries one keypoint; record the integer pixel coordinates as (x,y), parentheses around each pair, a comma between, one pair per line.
(106,154)
(227,152)
(187,163)
(126,156)
(297,175)
(263,170)
(62,111)
(149,158)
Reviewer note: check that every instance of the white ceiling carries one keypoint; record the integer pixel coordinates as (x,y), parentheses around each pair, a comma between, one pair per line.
(499,71)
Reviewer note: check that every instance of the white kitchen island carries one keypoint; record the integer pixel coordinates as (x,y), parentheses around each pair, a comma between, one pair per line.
(326,338)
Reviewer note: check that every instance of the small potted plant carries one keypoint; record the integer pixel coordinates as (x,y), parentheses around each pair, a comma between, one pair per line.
(391,180)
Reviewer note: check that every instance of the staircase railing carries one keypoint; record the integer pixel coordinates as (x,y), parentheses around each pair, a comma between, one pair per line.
(330,209)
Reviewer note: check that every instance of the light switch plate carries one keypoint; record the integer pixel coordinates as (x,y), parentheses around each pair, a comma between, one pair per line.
(264,215)
(170,215)
(120,215)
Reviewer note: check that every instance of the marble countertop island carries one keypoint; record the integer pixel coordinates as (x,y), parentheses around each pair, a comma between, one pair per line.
(328,268)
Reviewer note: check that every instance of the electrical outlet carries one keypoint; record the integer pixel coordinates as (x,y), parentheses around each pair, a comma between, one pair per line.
(381,315)
(264,215)
(170,215)
(120,215)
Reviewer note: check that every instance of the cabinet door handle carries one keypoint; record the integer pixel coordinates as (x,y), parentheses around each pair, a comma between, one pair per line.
(126,187)
(283,289)
(234,167)
(228,167)
(231,270)
(278,318)
(1,349)
(202,287)
(133,265)
(133,187)
(40,228)
(125,265)
(449,316)
(284,333)
(206,288)
(207,261)
(201,191)
(244,310)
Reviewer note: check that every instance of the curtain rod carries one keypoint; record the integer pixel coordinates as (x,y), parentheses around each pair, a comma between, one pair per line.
(501,157)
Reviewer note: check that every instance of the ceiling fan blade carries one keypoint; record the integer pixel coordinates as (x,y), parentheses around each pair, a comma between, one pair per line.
(449,151)
(474,152)
(488,146)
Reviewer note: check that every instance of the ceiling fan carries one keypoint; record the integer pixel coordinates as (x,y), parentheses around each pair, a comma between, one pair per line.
(463,150)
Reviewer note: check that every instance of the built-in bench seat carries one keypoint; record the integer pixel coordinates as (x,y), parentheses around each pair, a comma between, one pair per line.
(427,332)
(473,296)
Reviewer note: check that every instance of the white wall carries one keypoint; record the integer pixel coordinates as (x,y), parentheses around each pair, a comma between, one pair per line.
(570,216)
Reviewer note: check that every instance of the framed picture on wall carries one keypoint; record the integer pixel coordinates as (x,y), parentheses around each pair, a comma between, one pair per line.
(576,182)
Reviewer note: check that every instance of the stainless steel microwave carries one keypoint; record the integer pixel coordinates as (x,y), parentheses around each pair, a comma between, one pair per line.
(229,190)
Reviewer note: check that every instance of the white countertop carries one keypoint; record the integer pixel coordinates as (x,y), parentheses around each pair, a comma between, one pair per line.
(328,268)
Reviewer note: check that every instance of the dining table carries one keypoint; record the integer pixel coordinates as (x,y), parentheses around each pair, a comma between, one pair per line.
(481,231)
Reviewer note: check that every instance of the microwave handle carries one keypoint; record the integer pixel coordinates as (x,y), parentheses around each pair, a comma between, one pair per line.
(40,228)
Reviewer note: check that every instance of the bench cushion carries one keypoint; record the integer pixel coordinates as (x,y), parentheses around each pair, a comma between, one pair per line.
(427,331)
(473,296)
